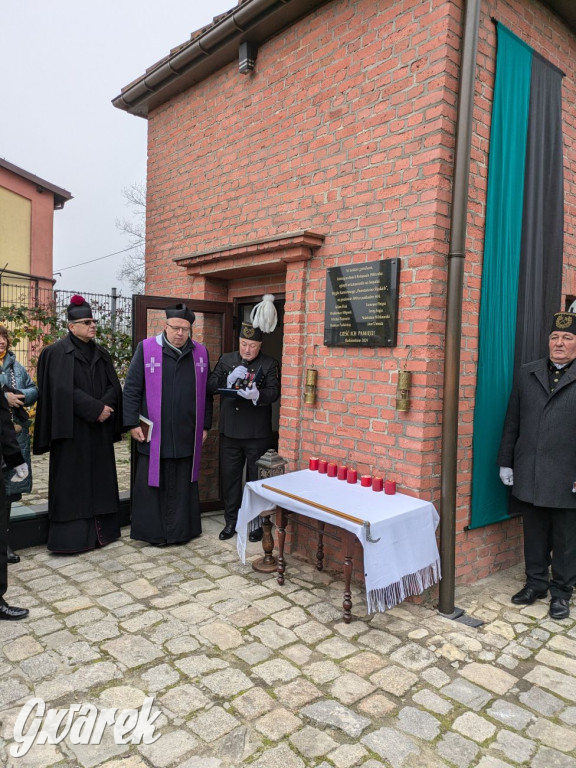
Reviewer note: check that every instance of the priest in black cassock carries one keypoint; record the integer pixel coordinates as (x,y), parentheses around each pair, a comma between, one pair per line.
(78,419)
(166,384)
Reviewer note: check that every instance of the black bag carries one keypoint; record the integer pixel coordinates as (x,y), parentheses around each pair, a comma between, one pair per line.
(19,412)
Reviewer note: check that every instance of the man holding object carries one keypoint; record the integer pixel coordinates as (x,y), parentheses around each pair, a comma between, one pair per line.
(537,459)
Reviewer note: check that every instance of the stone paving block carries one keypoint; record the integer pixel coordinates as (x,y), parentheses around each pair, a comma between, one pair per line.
(334,715)
(364,663)
(303,597)
(276,671)
(311,742)
(279,757)
(290,617)
(132,651)
(252,653)
(558,660)
(41,666)
(12,690)
(182,644)
(431,701)
(297,693)
(100,630)
(418,723)
(312,632)
(221,635)
(192,613)
(122,697)
(555,681)
(414,657)
(167,630)
(379,641)
(88,616)
(349,688)
(540,701)
(336,648)
(298,653)
(435,677)
(73,603)
(376,706)
(39,755)
(114,599)
(394,679)
(273,604)
(326,613)
(143,621)
(348,755)
(392,746)
(93,674)
(277,724)
(551,758)
(569,715)
(213,724)
(564,644)
(26,646)
(42,627)
(246,617)
(457,750)
(227,682)
(254,703)
(515,748)
(490,677)
(552,735)
(510,714)
(466,693)
(273,635)
(140,588)
(160,677)
(197,762)
(492,762)
(88,755)
(474,727)
(184,699)
(322,671)
(194,666)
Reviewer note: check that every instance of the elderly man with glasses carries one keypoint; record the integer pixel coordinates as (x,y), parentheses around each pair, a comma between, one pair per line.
(78,419)
(169,413)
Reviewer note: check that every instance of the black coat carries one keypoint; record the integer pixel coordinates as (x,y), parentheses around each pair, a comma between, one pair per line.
(538,440)
(178,414)
(62,405)
(240,418)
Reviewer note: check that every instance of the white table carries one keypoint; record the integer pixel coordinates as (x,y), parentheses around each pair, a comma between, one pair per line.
(397,532)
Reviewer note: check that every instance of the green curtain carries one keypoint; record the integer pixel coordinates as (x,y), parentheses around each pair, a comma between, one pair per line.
(497,325)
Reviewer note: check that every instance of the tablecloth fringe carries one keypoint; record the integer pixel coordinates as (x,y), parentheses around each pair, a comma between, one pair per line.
(412,584)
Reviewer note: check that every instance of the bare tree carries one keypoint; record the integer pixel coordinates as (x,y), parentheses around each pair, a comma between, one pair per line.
(133,264)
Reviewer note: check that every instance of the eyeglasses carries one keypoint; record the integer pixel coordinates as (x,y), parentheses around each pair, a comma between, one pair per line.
(85,322)
(178,328)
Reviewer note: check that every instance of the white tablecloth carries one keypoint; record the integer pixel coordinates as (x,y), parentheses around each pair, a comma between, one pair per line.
(404,562)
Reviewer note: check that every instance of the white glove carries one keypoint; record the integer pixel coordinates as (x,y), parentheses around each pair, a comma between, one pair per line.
(250,394)
(507,475)
(239,372)
(20,473)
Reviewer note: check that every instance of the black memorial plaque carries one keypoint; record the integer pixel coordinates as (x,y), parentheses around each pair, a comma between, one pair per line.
(361,307)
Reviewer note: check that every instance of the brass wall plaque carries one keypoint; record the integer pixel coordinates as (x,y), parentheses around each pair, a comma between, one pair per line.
(361,308)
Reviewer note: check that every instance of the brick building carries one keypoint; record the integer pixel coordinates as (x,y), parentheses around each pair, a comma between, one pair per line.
(341,148)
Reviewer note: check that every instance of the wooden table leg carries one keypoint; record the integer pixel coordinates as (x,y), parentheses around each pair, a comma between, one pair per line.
(281,518)
(266,564)
(320,550)
(347,602)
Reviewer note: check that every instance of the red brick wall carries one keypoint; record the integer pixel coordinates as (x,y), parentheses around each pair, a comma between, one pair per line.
(346,128)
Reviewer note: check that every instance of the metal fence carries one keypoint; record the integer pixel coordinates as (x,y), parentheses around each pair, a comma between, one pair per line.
(110,309)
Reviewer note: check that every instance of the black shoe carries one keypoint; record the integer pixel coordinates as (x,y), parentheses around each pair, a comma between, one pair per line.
(11,556)
(528,595)
(11,613)
(227,532)
(255,535)
(559,608)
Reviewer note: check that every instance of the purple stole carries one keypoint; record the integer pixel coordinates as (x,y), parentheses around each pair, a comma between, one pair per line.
(152,349)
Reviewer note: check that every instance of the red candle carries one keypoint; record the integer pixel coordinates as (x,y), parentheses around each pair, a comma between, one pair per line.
(377,484)
(365,481)
(332,469)
(313,463)
(390,487)
(342,472)
(322,466)
(352,476)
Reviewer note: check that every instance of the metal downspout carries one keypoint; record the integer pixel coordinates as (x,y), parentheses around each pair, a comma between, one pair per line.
(453,335)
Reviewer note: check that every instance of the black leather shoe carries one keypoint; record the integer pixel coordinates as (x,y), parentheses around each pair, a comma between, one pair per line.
(528,595)
(559,608)
(11,613)
(227,532)
(255,535)
(11,556)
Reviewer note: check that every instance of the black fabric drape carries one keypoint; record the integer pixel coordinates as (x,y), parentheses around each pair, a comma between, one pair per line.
(540,278)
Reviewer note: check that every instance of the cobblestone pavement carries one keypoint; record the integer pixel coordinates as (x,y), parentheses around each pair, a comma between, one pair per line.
(247,673)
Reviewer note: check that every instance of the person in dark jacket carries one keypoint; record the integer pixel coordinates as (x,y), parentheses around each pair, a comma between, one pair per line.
(166,384)
(11,456)
(78,419)
(245,415)
(20,393)
(537,459)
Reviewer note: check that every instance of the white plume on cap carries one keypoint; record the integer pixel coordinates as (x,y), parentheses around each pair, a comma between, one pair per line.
(264,315)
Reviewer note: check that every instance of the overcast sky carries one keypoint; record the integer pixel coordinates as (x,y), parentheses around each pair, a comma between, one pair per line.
(61,64)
